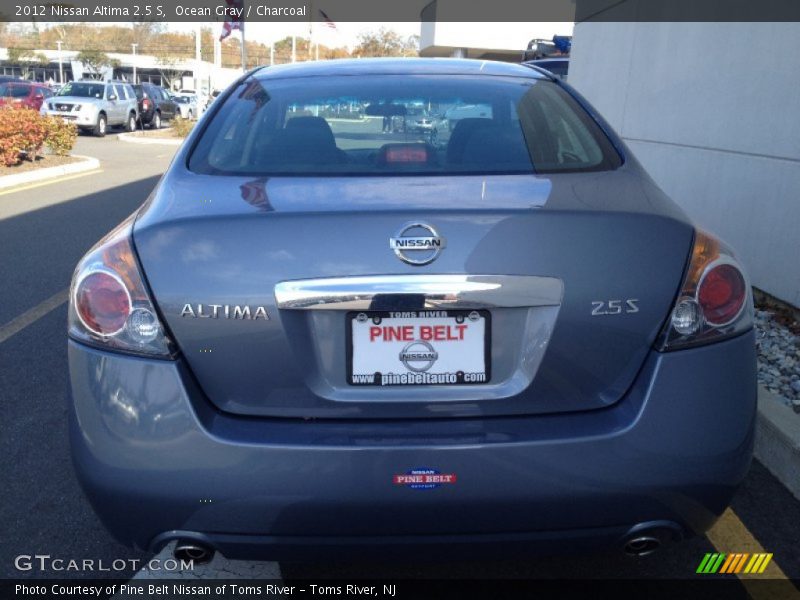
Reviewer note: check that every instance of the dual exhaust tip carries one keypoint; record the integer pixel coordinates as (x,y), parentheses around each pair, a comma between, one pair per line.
(199,554)
(641,545)
(646,538)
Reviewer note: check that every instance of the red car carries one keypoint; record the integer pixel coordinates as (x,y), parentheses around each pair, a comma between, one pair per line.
(23,93)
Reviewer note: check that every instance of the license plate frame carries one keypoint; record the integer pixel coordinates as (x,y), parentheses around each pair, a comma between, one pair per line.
(405,376)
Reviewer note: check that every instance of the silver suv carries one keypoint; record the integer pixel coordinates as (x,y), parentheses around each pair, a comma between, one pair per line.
(95,105)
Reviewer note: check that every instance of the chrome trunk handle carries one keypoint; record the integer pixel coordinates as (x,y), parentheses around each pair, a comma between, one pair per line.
(427,291)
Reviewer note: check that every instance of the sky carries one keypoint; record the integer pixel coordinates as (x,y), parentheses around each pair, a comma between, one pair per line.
(346,34)
(475,35)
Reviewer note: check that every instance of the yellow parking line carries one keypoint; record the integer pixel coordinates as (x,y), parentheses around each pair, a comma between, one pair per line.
(730,535)
(31,186)
(29,317)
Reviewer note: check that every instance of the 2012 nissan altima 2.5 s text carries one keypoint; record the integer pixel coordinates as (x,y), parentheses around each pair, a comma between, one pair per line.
(327,333)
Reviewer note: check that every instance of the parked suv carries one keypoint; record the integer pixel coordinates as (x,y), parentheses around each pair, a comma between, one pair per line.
(155,104)
(95,105)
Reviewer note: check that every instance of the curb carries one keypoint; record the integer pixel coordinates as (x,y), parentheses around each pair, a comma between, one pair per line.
(136,139)
(778,440)
(87,164)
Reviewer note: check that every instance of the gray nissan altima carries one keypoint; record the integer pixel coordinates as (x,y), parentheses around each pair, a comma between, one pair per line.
(328,334)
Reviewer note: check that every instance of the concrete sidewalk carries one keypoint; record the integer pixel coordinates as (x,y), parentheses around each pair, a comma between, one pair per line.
(778,440)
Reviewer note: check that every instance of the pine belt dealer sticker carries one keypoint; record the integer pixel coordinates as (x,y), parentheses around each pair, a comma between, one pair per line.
(424,479)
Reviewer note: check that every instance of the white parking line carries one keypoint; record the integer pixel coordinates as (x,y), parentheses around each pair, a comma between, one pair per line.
(29,317)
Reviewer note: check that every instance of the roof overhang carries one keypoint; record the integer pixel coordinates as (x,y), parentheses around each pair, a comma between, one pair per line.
(479,53)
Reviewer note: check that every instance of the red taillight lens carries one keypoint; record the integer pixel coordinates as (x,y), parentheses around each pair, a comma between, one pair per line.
(714,301)
(146,104)
(110,306)
(102,303)
(722,293)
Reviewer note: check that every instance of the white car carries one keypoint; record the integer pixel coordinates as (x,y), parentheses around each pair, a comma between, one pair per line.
(187,104)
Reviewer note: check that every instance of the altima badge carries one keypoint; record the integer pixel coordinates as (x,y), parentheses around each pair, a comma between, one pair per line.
(419,239)
(224,311)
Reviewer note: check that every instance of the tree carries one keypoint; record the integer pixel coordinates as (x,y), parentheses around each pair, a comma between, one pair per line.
(145,31)
(25,59)
(385,42)
(170,68)
(94,60)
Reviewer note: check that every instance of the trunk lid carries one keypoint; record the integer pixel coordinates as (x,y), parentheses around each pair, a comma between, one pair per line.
(553,257)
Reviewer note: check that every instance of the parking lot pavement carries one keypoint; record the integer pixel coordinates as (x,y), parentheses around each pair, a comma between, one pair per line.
(218,568)
(44,230)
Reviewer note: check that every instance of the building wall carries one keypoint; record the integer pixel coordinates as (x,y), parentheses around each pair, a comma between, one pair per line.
(712,110)
(207,75)
(449,37)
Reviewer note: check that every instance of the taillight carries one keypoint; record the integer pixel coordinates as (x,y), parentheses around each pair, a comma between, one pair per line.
(146,104)
(102,302)
(109,304)
(715,301)
(722,293)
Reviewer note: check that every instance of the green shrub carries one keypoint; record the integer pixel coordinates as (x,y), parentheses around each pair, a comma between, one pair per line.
(181,127)
(22,133)
(61,135)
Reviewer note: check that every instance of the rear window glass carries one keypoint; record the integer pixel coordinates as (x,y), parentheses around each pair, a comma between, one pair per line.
(9,90)
(387,124)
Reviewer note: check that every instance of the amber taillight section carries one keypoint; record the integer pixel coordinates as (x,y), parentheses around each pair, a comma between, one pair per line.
(714,301)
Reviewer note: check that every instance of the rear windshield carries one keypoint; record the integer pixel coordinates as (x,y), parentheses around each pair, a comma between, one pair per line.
(387,124)
(11,90)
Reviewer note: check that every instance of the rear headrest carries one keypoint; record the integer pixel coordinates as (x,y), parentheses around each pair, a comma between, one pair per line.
(307,146)
(461,134)
(501,148)
(316,125)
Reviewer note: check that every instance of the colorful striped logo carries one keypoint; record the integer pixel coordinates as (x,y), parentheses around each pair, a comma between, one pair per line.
(734,563)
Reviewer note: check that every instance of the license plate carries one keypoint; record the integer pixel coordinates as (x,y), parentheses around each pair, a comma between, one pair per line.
(423,347)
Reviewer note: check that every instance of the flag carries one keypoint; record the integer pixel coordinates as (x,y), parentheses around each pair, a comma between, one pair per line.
(328,21)
(229,25)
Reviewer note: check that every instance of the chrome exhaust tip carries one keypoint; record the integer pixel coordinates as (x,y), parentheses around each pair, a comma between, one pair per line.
(199,554)
(642,545)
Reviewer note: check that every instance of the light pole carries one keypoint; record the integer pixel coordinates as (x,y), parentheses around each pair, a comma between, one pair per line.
(60,66)
(134,61)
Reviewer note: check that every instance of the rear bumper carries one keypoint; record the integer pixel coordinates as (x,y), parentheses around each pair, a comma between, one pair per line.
(81,119)
(158,462)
